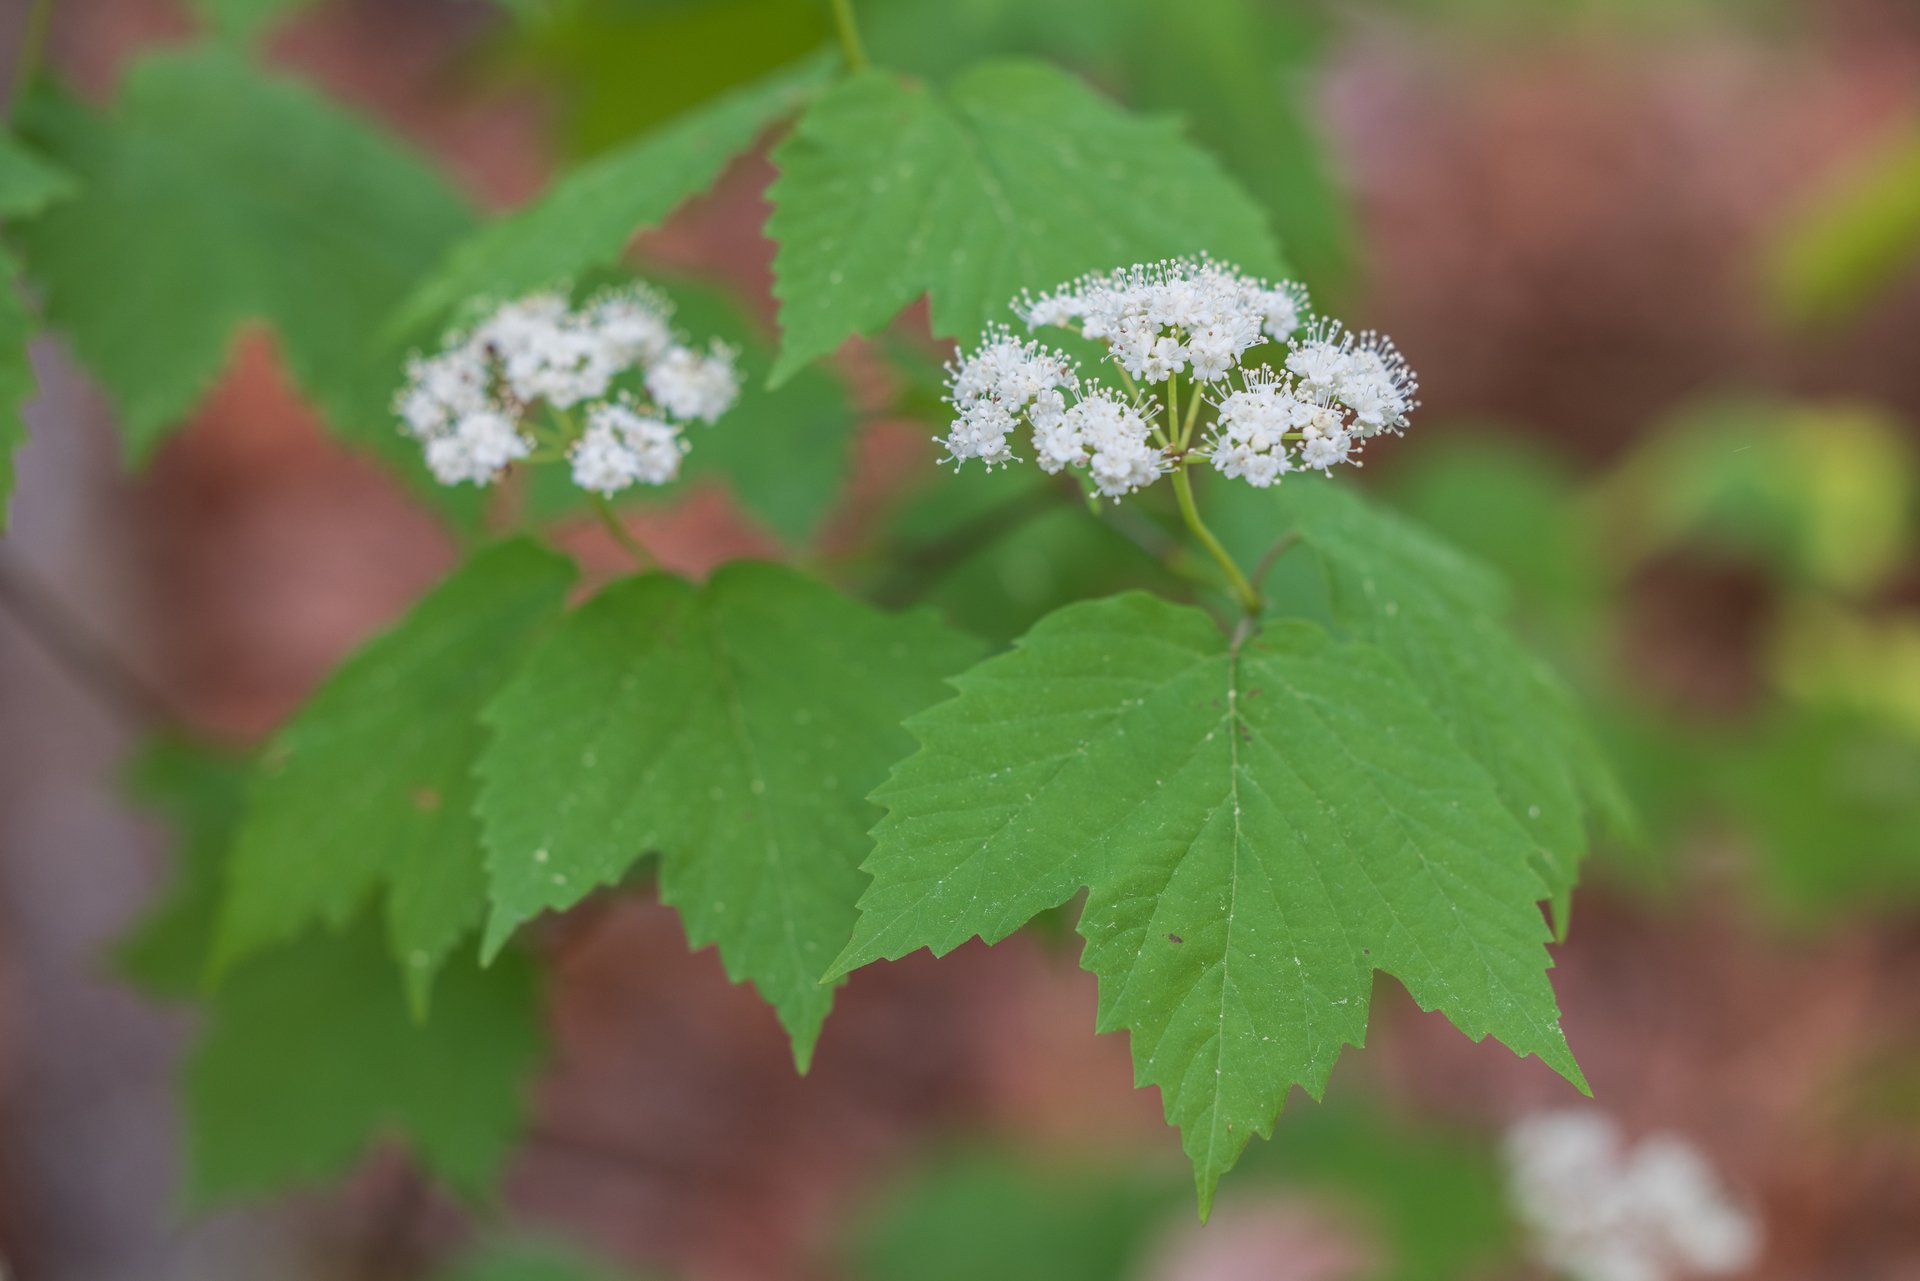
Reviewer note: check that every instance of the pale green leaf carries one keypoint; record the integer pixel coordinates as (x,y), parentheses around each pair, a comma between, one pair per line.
(736,730)
(1017,176)
(1259,827)
(310,1056)
(212,196)
(369,790)
(586,219)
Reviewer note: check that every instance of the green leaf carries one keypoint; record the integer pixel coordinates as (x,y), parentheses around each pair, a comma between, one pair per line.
(17,385)
(201,793)
(245,19)
(582,57)
(527,1261)
(28,181)
(310,1056)
(586,219)
(213,196)
(1260,828)
(980,1215)
(1515,507)
(734,728)
(1017,176)
(1224,63)
(370,788)
(1827,797)
(1439,615)
(28,184)
(1436,1200)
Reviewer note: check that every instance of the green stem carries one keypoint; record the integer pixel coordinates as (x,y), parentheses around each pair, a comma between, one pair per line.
(850,42)
(33,45)
(1193,414)
(1183,489)
(604,510)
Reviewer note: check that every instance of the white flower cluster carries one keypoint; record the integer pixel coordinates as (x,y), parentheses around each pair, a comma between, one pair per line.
(1191,319)
(470,405)
(1598,1210)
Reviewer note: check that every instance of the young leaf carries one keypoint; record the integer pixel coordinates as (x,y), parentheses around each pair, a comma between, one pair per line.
(310,1055)
(586,219)
(202,793)
(370,788)
(214,196)
(1261,826)
(1017,176)
(1439,614)
(736,729)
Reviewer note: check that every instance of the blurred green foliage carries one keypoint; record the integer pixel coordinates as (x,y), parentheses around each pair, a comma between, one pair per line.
(1239,72)
(1856,236)
(1820,777)
(527,1260)
(1431,1203)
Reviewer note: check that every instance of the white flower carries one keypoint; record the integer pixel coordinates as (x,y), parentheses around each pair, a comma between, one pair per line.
(476,448)
(1597,1210)
(1320,365)
(634,323)
(478,404)
(1322,451)
(622,447)
(1194,325)
(694,386)
(442,389)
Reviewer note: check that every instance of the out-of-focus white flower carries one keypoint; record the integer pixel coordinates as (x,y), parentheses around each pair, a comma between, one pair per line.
(476,405)
(622,447)
(1598,1210)
(475,448)
(695,386)
(1187,321)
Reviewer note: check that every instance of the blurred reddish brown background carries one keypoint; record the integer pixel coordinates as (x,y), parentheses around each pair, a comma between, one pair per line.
(1561,231)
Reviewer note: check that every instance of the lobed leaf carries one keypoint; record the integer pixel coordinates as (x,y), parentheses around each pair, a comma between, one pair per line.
(735,729)
(212,196)
(586,218)
(202,794)
(309,1056)
(370,790)
(1439,615)
(1260,827)
(1016,176)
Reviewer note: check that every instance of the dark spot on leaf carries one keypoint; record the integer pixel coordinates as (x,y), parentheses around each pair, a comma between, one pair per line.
(1175,938)
(426,799)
